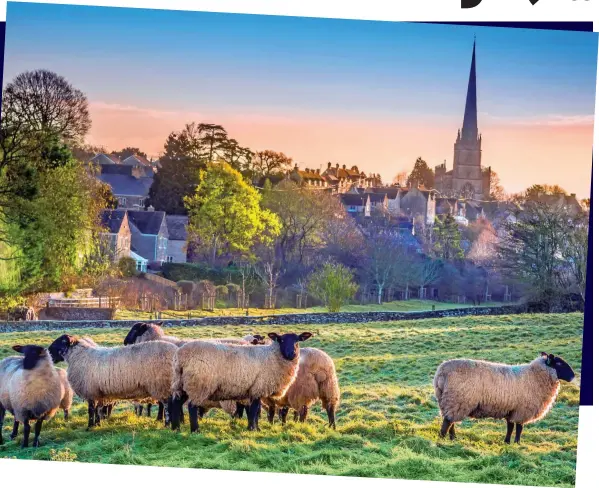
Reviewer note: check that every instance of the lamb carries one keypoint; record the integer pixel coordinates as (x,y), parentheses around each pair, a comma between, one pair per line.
(520,394)
(205,371)
(316,379)
(30,388)
(103,375)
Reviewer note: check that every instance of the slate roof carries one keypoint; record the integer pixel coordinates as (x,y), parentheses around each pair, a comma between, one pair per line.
(377,197)
(136,159)
(177,227)
(353,199)
(112,220)
(390,192)
(147,222)
(126,184)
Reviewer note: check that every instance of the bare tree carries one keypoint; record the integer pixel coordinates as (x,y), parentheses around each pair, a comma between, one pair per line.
(265,163)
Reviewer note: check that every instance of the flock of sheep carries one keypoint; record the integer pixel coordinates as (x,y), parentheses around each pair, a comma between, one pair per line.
(240,375)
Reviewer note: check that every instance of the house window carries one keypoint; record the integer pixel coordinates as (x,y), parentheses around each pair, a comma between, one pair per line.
(169,259)
(141,202)
(122,201)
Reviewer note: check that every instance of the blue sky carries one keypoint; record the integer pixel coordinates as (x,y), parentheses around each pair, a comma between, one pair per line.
(228,60)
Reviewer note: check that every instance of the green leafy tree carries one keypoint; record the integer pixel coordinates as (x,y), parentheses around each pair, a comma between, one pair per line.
(127,267)
(334,285)
(421,175)
(225,213)
(129,151)
(185,154)
(447,238)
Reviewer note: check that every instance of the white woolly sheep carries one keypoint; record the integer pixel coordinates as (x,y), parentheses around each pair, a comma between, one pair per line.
(103,375)
(520,394)
(30,389)
(316,380)
(144,332)
(205,371)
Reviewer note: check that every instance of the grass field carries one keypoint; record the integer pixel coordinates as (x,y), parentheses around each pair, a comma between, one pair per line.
(395,306)
(388,420)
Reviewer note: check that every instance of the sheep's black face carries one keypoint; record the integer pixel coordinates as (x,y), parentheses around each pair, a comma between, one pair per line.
(289,343)
(136,331)
(60,347)
(32,355)
(563,369)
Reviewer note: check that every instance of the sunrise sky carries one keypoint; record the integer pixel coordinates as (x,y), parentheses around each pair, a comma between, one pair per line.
(374,94)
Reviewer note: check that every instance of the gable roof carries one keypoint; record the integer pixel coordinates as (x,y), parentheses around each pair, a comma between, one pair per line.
(353,199)
(136,159)
(127,184)
(391,192)
(177,227)
(377,197)
(147,222)
(112,220)
(105,159)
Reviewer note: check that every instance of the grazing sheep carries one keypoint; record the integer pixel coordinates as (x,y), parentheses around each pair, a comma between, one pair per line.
(30,389)
(520,394)
(103,375)
(145,332)
(316,380)
(211,371)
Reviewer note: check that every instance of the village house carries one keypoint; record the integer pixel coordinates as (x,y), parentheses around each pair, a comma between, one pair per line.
(356,204)
(116,238)
(149,234)
(176,251)
(393,197)
(341,179)
(309,178)
(419,202)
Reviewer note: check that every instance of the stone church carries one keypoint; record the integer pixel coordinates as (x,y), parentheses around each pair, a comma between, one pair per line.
(467,179)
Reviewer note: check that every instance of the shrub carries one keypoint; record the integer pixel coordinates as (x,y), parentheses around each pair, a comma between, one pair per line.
(334,285)
(127,267)
(187,287)
(199,272)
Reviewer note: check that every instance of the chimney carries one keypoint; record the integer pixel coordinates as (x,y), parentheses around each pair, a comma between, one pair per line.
(337,166)
(573,195)
(329,165)
(344,166)
(150,208)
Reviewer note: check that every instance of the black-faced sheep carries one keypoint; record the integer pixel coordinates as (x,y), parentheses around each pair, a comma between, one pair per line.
(520,394)
(316,380)
(145,332)
(30,389)
(103,375)
(205,371)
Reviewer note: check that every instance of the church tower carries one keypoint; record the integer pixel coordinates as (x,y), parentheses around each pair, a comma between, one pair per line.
(467,175)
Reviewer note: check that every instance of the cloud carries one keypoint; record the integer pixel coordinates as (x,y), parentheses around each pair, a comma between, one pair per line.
(551,120)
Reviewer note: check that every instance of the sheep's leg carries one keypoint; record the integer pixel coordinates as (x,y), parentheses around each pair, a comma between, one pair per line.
(303,414)
(510,429)
(175,410)
(283,415)
(37,429)
(201,412)
(445,427)
(98,414)
(271,414)
(193,417)
(255,407)
(26,431)
(182,414)
(91,414)
(160,415)
(519,428)
(15,429)
(138,410)
(240,408)
(2,414)
(149,410)
(110,410)
(331,415)
(452,431)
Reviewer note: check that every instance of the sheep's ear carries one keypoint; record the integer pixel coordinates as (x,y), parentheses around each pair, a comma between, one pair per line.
(258,337)
(254,342)
(72,340)
(544,355)
(18,348)
(274,337)
(304,336)
(159,324)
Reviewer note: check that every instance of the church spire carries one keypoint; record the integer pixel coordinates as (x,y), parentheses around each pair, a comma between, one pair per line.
(470,128)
